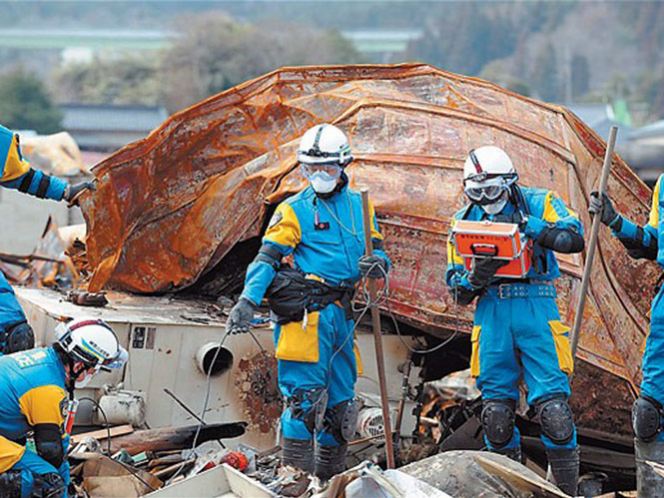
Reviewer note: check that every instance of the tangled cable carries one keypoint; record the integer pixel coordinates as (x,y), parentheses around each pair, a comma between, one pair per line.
(383,297)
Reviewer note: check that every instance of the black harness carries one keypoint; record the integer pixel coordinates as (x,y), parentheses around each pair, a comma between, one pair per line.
(292,293)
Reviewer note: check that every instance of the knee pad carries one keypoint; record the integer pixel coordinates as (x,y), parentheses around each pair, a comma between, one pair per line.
(341,420)
(646,418)
(556,420)
(10,484)
(19,337)
(309,406)
(49,486)
(498,421)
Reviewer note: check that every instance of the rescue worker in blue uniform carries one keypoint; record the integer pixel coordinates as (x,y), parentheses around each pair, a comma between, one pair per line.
(322,228)
(648,410)
(16,173)
(517,332)
(33,388)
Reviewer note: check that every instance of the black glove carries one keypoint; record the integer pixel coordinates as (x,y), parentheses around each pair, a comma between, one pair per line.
(604,206)
(239,319)
(72,191)
(484,270)
(373,266)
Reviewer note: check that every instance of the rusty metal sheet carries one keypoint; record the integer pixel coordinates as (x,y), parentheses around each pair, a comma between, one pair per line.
(170,207)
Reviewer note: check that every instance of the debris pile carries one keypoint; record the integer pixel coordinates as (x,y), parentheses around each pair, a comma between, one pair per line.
(48,265)
(123,462)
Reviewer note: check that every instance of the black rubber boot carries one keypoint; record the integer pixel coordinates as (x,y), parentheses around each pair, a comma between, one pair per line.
(330,461)
(511,453)
(649,484)
(10,484)
(565,469)
(298,453)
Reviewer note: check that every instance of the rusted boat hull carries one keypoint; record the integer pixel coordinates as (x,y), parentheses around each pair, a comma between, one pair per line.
(171,207)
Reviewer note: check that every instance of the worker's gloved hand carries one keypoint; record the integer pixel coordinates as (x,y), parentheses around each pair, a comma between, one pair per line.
(72,192)
(239,319)
(373,266)
(484,270)
(604,207)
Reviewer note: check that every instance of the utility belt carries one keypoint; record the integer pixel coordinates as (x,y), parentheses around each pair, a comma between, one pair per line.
(529,288)
(292,293)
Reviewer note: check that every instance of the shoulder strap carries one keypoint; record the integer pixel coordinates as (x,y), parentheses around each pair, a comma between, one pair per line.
(520,200)
(467,210)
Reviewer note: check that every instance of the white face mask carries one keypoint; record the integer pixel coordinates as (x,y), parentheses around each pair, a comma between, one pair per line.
(497,206)
(86,380)
(322,183)
(323,178)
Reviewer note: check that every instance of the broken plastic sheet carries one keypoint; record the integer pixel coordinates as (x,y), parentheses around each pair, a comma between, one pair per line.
(368,480)
(469,474)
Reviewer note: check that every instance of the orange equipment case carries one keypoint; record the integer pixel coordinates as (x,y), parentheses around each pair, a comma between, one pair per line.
(482,239)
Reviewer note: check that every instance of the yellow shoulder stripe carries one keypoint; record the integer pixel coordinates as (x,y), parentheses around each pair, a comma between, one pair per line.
(284,228)
(14,165)
(453,257)
(653,220)
(44,405)
(375,234)
(550,215)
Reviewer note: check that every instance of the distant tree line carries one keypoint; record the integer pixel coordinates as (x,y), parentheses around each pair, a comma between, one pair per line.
(556,51)
(25,103)
(212,53)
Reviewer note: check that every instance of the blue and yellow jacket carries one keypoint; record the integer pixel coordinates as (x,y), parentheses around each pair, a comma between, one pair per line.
(32,391)
(16,173)
(644,241)
(325,237)
(544,209)
(11,312)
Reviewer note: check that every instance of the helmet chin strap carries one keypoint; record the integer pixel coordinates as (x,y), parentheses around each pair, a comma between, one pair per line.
(73,375)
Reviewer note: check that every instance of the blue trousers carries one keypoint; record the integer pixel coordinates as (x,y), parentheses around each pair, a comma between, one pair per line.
(521,338)
(10,310)
(32,465)
(335,370)
(653,356)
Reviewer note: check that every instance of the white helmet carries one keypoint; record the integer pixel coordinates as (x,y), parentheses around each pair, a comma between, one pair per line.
(324,144)
(92,342)
(488,174)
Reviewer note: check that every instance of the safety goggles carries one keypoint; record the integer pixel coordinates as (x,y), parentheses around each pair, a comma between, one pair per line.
(327,171)
(485,194)
(487,191)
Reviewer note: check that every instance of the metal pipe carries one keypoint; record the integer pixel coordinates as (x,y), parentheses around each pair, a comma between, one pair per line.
(405,389)
(207,353)
(189,411)
(184,407)
(378,340)
(592,243)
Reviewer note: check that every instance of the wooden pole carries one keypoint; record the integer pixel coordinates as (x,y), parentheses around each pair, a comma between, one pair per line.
(378,339)
(592,243)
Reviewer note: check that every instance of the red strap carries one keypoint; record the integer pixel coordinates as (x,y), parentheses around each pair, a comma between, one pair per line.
(475,161)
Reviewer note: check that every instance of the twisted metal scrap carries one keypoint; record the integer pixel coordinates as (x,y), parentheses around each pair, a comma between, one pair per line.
(170,207)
